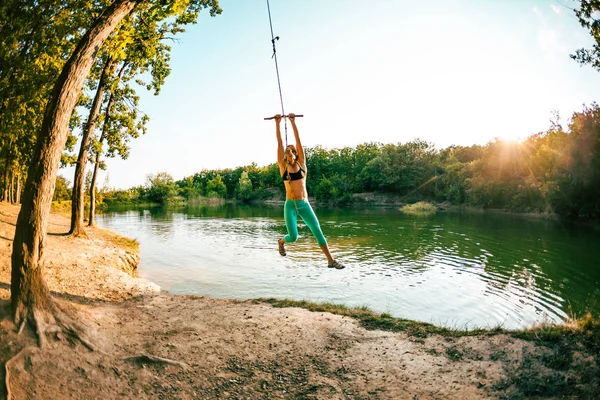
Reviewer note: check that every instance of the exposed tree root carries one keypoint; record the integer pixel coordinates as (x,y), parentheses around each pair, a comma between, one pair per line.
(154,359)
(8,365)
(22,326)
(82,234)
(56,319)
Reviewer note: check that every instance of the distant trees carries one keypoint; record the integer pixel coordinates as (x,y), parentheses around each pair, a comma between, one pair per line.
(160,187)
(62,190)
(244,187)
(215,187)
(557,171)
(575,190)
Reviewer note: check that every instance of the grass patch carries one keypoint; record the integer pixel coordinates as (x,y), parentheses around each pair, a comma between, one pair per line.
(125,242)
(206,201)
(454,354)
(499,355)
(529,380)
(108,204)
(567,365)
(420,208)
(122,242)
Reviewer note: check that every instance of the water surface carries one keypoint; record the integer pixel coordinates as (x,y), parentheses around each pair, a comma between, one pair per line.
(451,269)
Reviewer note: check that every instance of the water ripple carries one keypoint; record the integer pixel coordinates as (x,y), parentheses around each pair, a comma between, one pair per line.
(457,270)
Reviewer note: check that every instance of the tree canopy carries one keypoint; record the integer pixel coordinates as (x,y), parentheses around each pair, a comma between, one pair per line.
(588,15)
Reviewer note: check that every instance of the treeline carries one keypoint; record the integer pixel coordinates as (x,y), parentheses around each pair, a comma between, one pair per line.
(557,171)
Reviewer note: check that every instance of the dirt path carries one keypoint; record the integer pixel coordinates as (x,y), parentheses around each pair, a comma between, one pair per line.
(212,349)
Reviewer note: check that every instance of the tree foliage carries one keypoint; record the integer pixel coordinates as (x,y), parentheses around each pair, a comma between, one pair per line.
(588,15)
(215,187)
(244,187)
(160,187)
(36,39)
(137,48)
(62,191)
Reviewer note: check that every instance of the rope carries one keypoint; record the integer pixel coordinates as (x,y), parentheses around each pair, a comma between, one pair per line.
(274,56)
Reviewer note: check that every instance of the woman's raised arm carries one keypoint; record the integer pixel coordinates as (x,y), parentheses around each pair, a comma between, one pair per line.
(280,153)
(299,148)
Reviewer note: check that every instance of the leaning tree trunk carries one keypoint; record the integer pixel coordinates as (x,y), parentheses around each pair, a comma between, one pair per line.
(30,297)
(99,152)
(77,197)
(93,190)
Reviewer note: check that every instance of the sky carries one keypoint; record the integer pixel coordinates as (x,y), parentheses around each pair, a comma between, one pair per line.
(450,72)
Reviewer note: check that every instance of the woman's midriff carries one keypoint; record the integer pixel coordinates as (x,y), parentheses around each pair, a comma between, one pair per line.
(296,190)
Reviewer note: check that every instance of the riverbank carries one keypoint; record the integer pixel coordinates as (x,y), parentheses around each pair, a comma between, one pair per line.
(156,345)
(356,200)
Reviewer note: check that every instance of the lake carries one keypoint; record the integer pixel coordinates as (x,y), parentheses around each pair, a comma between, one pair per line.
(459,270)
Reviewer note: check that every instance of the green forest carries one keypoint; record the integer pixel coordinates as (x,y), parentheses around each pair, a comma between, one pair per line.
(557,171)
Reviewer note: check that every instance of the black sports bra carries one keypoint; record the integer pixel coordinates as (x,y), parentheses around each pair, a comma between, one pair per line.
(293,176)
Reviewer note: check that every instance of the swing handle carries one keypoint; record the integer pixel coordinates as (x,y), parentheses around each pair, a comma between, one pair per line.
(285,116)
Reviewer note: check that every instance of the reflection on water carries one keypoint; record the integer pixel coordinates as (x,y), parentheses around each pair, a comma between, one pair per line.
(457,270)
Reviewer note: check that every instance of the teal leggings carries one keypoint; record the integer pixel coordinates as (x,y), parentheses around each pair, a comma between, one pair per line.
(309,217)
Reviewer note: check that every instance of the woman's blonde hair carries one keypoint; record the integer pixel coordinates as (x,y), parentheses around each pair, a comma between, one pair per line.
(292,148)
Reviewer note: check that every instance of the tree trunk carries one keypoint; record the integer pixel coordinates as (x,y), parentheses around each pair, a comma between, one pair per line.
(78,195)
(93,192)
(11,193)
(30,298)
(5,184)
(98,154)
(18,188)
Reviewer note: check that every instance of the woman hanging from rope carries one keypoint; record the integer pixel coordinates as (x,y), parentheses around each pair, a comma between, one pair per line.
(292,167)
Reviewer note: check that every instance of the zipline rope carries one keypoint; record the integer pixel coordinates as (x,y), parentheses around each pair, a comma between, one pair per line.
(274,56)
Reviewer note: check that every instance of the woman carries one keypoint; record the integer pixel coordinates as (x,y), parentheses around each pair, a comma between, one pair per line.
(292,167)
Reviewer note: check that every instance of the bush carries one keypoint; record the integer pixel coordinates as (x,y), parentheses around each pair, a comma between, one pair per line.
(422,207)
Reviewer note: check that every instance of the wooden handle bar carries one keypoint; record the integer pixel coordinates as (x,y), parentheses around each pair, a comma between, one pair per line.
(285,116)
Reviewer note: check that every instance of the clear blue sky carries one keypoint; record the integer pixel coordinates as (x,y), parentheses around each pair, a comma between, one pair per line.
(445,71)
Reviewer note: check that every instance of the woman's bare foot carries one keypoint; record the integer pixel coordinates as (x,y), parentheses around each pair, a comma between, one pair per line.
(281,243)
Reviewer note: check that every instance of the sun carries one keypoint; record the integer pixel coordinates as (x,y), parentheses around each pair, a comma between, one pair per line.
(510,137)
